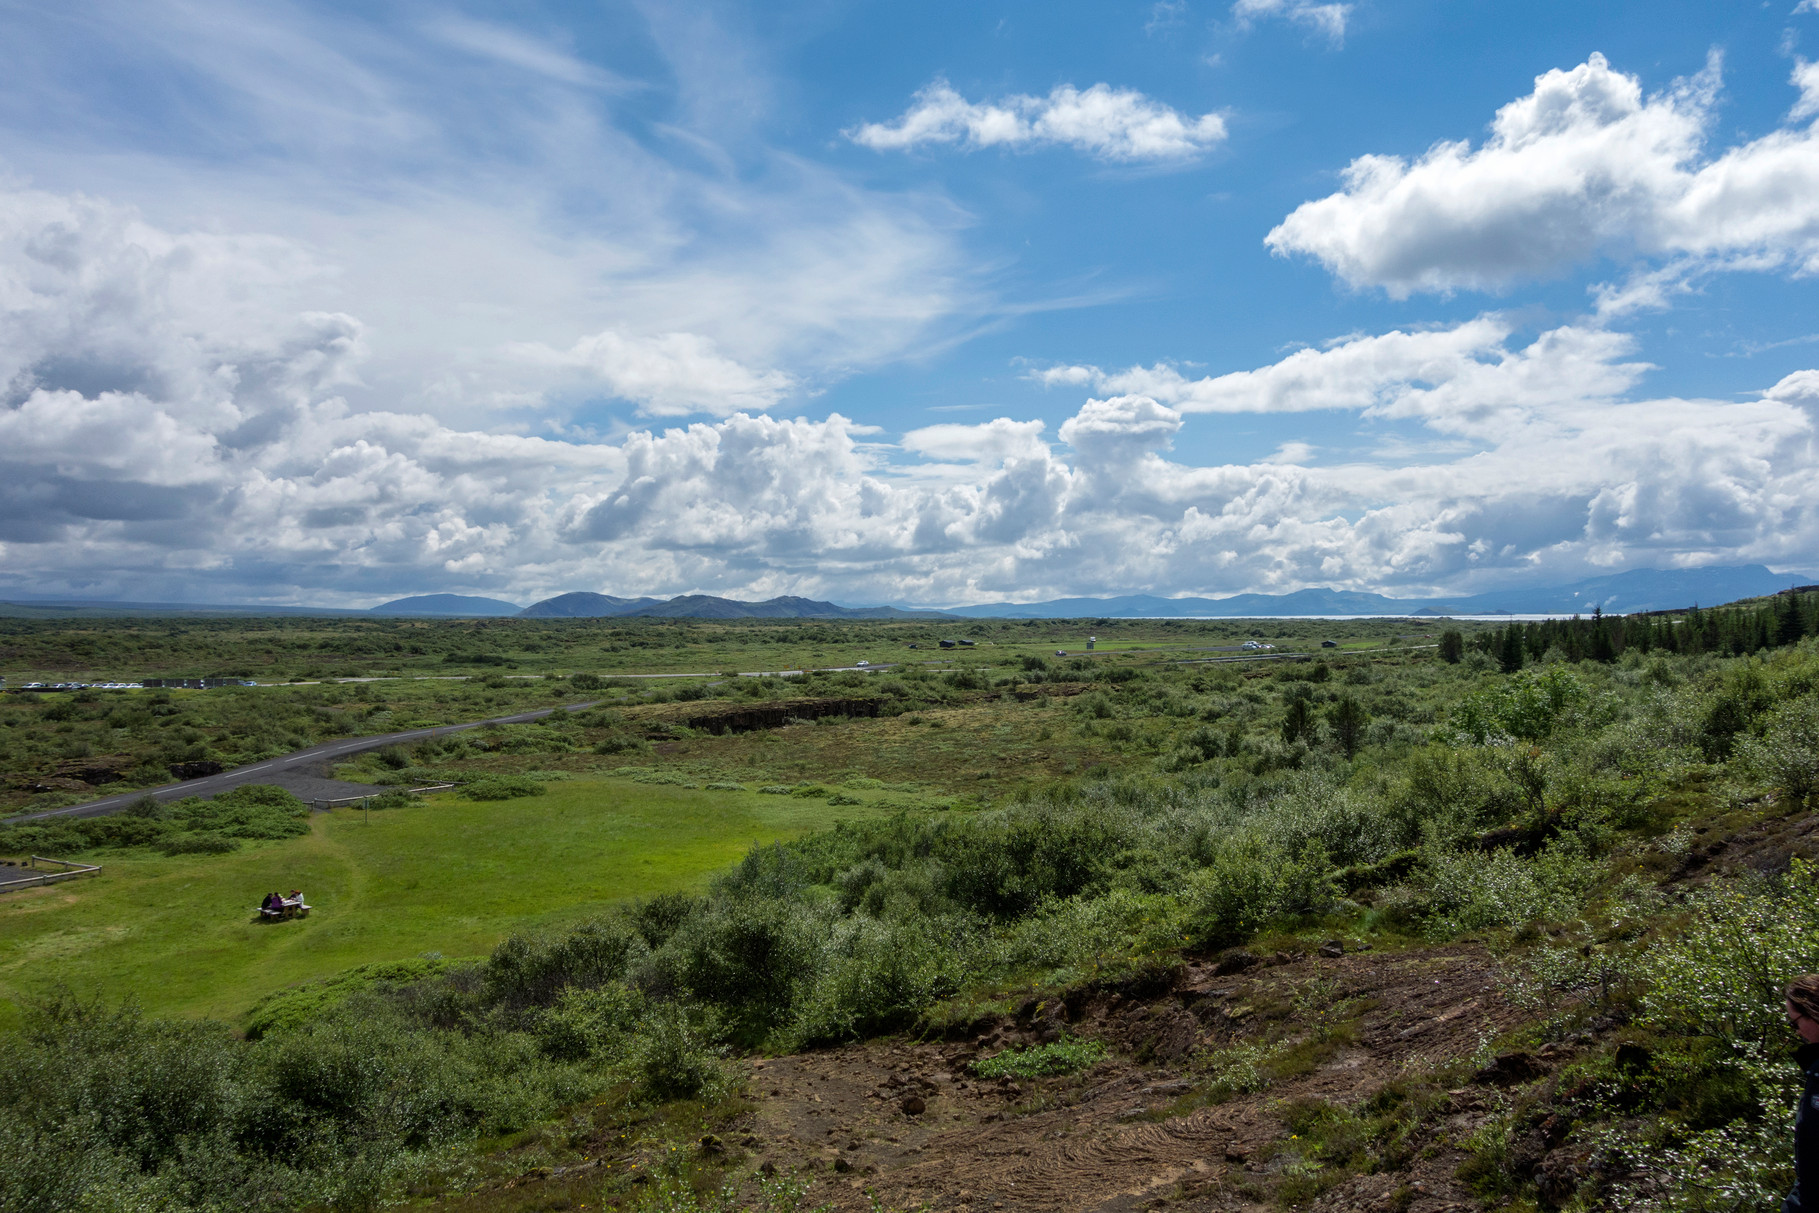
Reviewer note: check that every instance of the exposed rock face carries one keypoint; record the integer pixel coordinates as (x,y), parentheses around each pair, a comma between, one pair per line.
(745,718)
(77,774)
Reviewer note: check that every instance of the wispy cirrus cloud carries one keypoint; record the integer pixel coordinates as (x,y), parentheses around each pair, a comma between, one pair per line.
(665,374)
(1326,19)
(1101,121)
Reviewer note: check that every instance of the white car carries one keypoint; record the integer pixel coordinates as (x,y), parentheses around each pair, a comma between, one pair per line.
(861,664)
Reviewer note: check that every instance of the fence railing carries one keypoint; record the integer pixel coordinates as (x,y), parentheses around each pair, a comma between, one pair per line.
(15,878)
(361,800)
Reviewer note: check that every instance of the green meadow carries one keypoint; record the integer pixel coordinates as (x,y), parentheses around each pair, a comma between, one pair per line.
(180,934)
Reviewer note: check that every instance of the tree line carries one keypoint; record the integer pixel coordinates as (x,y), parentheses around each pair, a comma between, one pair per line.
(1732,631)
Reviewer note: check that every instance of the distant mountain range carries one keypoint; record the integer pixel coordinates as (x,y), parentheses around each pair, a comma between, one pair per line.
(459,605)
(1616,593)
(704,606)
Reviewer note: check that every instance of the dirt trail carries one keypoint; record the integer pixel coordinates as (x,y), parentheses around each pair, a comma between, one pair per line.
(1125,1135)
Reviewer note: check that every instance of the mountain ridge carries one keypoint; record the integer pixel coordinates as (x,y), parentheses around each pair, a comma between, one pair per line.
(1615,593)
(459,605)
(585,605)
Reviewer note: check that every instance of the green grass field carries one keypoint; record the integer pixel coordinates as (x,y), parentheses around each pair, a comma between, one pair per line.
(180,934)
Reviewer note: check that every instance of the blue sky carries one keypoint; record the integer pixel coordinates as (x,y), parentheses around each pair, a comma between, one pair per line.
(879,302)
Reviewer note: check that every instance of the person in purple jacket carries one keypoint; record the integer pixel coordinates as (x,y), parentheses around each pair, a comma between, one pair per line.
(1803,1014)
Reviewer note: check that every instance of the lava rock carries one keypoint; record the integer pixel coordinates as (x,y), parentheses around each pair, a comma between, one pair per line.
(1510,1069)
(1235,961)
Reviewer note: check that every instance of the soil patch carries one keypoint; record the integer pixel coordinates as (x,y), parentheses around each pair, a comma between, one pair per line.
(909,1122)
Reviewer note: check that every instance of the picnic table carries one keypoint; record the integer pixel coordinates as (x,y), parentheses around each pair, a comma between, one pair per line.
(290,907)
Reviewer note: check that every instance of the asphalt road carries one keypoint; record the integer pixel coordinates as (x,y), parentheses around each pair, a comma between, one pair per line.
(302,771)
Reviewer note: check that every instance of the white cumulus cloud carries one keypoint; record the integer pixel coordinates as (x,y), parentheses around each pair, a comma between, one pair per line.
(1112,124)
(1584,165)
(992,441)
(147,452)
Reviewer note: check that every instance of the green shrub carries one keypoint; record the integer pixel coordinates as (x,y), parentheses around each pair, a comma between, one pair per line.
(878,977)
(675,1054)
(1525,706)
(1724,973)
(501,787)
(1250,881)
(1786,755)
(255,811)
(591,1024)
(198,844)
(749,955)
(1064,1056)
(527,970)
(1472,890)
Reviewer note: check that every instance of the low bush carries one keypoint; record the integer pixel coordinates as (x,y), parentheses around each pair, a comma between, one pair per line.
(192,826)
(198,844)
(1064,1056)
(674,1054)
(501,787)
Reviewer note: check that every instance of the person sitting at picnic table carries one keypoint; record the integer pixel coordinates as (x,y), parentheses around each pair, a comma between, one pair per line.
(273,904)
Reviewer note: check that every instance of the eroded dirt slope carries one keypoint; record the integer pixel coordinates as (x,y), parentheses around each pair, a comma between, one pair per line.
(907,1122)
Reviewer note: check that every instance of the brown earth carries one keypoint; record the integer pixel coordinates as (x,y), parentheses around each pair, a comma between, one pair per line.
(1125,1135)
(907,1124)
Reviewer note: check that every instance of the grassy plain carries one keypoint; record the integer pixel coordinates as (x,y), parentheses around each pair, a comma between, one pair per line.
(327,678)
(1586,809)
(282,649)
(179,934)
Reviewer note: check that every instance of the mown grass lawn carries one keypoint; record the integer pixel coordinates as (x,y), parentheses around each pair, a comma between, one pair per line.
(180,935)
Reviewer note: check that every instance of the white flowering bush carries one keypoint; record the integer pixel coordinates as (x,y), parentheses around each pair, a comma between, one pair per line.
(1725,974)
(1472,890)
(1742,1167)
(1525,707)
(1786,754)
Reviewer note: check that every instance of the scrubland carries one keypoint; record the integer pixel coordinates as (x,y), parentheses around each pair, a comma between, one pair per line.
(1496,923)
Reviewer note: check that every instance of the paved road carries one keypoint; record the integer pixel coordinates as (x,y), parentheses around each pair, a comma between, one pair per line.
(303,767)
